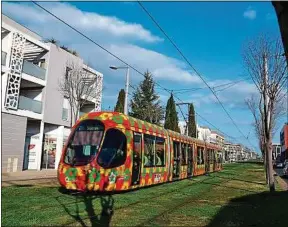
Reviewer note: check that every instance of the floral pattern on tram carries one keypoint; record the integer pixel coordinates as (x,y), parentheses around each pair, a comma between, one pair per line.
(93,176)
(118,178)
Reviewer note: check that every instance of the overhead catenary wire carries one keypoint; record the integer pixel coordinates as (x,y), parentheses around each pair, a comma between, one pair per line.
(103,48)
(197,73)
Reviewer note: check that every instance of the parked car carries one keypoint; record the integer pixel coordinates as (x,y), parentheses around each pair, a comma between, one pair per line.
(279,164)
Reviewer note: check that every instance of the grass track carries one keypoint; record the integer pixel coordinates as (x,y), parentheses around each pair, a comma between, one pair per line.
(200,201)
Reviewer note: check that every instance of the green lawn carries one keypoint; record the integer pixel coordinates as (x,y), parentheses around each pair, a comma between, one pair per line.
(236,196)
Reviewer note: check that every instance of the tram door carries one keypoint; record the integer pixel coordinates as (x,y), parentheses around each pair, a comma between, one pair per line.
(176,163)
(190,160)
(137,154)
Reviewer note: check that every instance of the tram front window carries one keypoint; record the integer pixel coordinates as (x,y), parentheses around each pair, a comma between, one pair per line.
(85,142)
(113,151)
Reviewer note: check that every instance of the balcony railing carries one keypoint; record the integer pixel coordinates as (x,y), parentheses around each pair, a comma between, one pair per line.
(90,90)
(30,104)
(64,114)
(34,70)
(3,58)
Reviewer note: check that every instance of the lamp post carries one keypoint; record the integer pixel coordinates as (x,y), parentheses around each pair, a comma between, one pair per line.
(126,86)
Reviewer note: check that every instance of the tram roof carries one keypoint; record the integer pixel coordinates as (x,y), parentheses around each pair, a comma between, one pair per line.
(119,119)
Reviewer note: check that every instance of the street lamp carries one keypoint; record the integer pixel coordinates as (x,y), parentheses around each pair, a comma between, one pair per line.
(126,86)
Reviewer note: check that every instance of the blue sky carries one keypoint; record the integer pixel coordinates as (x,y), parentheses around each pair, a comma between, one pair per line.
(210,34)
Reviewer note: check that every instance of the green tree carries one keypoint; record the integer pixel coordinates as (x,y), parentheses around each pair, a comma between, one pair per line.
(171,118)
(120,102)
(192,130)
(145,104)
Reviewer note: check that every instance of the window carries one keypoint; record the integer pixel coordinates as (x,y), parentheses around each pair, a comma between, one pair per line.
(184,153)
(149,142)
(113,152)
(154,151)
(137,143)
(160,152)
(84,143)
(190,152)
(67,72)
(200,155)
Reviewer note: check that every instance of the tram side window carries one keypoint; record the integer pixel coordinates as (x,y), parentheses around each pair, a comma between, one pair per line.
(190,151)
(184,153)
(113,152)
(199,161)
(137,145)
(202,156)
(149,148)
(160,152)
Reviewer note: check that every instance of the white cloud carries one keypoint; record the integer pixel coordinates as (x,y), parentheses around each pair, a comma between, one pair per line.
(250,13)
(232,97)
(161,66)
(89,22)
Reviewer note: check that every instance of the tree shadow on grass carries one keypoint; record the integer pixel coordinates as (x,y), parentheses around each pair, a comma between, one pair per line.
(102,218)
(263,209)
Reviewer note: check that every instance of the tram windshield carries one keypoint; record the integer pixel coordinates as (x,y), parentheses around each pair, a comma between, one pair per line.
(85,142)
(113,151)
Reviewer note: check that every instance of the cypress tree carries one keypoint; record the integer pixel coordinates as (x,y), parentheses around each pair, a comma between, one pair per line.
(145,104)
(120,102)
(192,130)
(171,118)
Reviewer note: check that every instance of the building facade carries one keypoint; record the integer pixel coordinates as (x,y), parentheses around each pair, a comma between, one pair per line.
(36,117)
(276,152)
(284,142)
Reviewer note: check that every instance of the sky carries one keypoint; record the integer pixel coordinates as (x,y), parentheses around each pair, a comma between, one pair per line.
(210,34)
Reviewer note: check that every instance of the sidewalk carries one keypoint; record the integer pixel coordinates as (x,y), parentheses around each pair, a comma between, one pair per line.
(30,177)
(282,182)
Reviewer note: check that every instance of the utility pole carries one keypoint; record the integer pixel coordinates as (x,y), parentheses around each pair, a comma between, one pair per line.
(126,92)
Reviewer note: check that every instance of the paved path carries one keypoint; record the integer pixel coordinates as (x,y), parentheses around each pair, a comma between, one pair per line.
(30,177)
(284,181)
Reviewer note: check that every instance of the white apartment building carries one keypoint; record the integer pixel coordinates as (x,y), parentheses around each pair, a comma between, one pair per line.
(204,133)
(35,115)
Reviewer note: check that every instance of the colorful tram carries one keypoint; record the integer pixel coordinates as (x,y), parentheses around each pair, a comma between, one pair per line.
(109,151)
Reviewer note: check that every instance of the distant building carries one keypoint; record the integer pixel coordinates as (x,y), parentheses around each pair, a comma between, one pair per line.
(35,115)
(204,133)
(284,142)
(276,152)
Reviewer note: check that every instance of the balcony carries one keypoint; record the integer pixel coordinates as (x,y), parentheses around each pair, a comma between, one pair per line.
(3,58)
(34,70)
(30,104)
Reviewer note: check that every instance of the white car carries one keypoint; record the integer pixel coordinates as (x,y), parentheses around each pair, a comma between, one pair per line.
(280,165)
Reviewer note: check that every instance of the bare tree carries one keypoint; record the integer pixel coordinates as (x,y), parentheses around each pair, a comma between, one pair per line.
(78,86)
(263,58)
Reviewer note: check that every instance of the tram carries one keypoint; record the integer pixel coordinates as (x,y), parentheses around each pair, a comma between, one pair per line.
(110,151)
